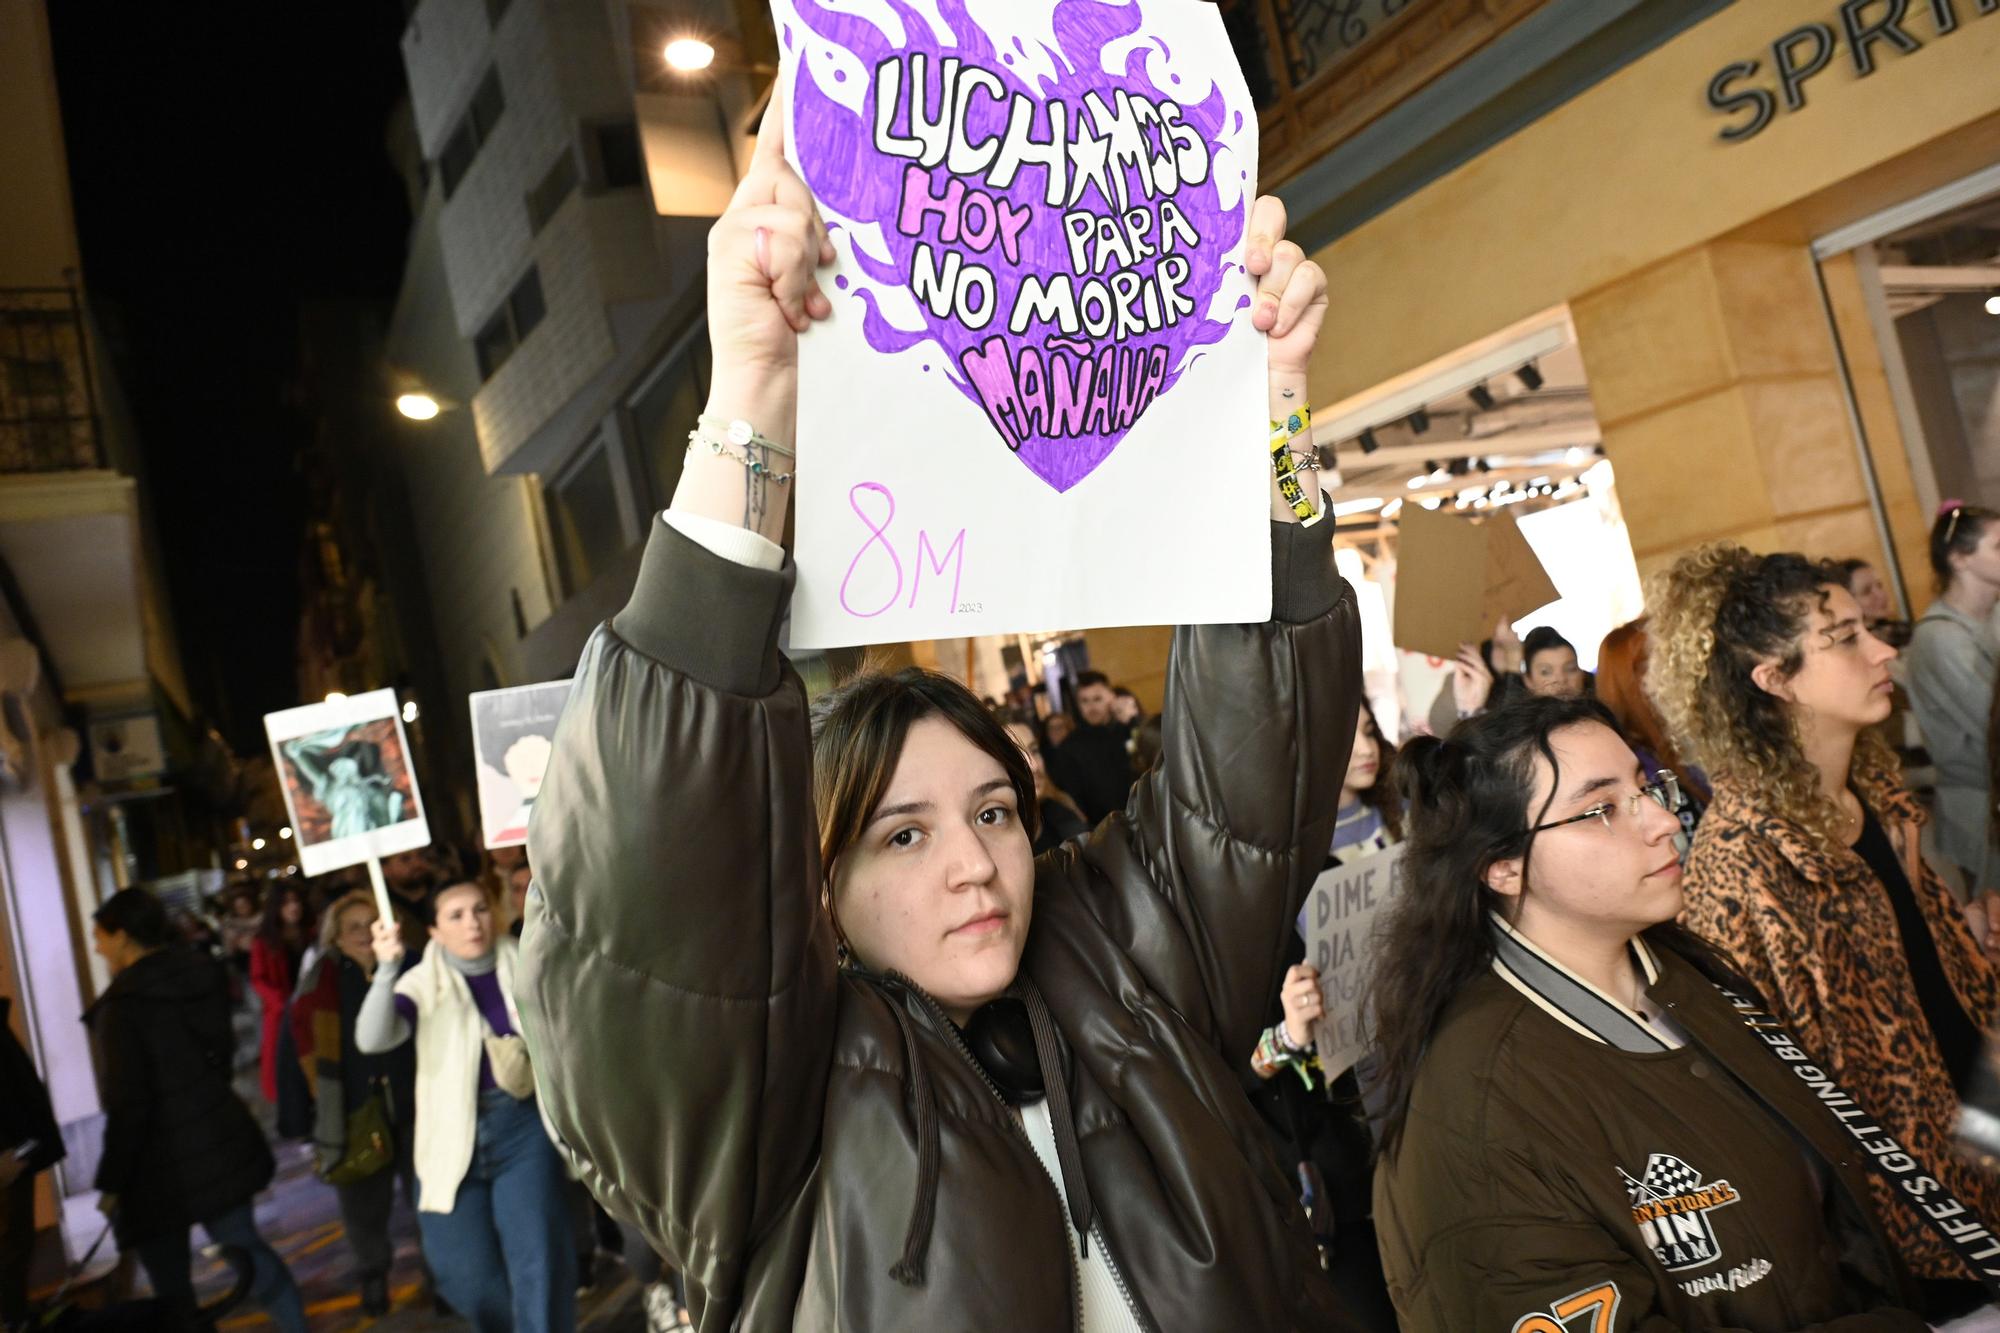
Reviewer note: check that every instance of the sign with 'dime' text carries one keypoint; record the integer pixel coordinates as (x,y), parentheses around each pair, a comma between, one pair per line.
(1341,918)
(1039,400)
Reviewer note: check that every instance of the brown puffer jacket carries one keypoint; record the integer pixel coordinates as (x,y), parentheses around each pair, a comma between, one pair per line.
(788,1134)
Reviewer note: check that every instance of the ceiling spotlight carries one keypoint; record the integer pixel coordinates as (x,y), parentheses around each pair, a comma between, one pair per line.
(1485,465)
(1368,441)
(1482,397)
(1419,421)
(1530,377)
(1460,466)
(689,55)
(1432,465)
(417,406)
(1993,305)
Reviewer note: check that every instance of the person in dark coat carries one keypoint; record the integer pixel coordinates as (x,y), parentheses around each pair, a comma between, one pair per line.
(30,1143)
(1093,764)
(179,1146)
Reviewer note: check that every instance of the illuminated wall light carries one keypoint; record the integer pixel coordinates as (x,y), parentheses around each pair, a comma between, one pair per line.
(689,55)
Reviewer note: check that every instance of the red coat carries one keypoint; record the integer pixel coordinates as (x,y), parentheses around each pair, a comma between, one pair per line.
(271,974)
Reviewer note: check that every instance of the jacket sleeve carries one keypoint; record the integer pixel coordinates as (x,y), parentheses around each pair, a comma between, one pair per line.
(677,987)
(1951,695)
(1774,953)
(1228,831)
(1525,1272)
(128,1097)
(271,985)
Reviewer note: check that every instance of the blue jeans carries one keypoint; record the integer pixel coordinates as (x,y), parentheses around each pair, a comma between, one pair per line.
(503,1255)
(271,1284)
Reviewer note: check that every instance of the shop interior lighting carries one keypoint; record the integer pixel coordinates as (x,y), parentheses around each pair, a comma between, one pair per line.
(1368,442)
(1482,397)
(1419,421)
(1530,377)
(1993,304)
(417,406)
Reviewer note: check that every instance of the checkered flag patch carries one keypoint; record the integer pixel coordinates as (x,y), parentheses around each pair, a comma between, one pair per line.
(1666,1177)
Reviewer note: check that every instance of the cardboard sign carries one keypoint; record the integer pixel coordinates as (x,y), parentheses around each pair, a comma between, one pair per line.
(512,734)
(1040,360)
(345,769)
(1342,913)
(1456,576)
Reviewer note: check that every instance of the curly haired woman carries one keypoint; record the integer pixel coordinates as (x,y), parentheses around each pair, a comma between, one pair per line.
(1806,866)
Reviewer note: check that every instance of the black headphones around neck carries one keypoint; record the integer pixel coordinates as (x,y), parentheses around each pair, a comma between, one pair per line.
(1002,1039)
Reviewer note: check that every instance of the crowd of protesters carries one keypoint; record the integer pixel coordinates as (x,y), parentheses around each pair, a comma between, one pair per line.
(927,1011)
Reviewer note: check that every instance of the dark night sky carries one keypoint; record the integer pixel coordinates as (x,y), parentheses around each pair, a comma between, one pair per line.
(228,163)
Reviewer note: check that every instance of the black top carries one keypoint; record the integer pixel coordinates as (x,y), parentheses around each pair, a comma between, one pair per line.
(1957,1037)
(1094,769)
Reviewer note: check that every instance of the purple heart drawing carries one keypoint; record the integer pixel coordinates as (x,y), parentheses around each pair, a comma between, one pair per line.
(1063,234)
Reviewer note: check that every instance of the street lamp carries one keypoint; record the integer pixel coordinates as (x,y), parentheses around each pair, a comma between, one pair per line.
(417,406)
(689,55)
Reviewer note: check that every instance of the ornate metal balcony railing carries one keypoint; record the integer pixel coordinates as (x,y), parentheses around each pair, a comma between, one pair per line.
(48,412)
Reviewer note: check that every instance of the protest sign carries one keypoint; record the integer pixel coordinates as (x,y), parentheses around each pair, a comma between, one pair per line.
(512,733)
(1040,365)
(1457,576)
(1342,913)
(345,769)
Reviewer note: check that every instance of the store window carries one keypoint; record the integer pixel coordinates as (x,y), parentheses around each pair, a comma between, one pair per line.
(1929,274)
(586,523)
(664,411)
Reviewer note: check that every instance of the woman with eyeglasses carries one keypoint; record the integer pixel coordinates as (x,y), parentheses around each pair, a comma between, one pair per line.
(1579,1131)
(1807,867)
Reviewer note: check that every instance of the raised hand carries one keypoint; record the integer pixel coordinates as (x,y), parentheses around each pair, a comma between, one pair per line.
(1291,293)
(1303,1005)
(388,942)
(1471,680)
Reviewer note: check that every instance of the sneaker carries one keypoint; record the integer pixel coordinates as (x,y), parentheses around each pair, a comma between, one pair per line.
(663,1313)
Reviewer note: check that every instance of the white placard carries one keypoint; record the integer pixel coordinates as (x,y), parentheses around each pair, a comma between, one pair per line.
(1343,913)
(512,734)
(345,769)
(1040,400)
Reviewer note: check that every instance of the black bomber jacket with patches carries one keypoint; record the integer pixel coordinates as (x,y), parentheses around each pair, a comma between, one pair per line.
(1567,1167)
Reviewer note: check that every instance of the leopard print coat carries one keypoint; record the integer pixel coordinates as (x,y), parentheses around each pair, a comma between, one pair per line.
(1815,930)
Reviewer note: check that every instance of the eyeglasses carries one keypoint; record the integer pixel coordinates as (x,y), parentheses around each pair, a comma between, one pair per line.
(1666,791)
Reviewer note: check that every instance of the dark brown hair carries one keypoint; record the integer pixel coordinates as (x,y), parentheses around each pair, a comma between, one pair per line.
(858,730)
(1381,795)
(1956,531)
(1469,809)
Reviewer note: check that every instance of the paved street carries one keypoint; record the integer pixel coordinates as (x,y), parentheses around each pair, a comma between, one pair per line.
(299,1217)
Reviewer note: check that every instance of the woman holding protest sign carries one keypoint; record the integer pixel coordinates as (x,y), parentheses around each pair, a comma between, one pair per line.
(802,1001)
(1581,1129)
(1808,866)
(491,1190)
(1315,1123)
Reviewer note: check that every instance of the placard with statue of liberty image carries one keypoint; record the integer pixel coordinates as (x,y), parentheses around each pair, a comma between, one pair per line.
(344,766)
(513,732)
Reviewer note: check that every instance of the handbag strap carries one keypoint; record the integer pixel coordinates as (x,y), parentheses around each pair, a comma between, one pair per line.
(1911,1180)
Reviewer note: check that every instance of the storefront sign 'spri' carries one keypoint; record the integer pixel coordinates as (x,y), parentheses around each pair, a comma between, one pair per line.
(1063,221)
